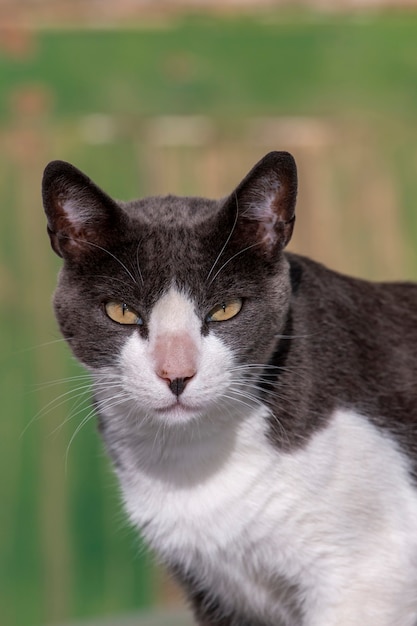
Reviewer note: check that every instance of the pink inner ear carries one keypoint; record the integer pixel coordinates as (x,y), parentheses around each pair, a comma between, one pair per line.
(263,208)
(78,208)
(266,203)
(268,221)
(75,213)
(79,216)
(70,230)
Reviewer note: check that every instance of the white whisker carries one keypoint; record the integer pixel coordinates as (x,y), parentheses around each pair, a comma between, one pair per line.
(81,406)
(253,245)
(41,345)
(83,422)
(54,404)
(137,263)
(95,245)
(225,244)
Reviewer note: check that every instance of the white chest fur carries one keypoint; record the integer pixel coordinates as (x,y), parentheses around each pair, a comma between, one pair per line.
(337,520)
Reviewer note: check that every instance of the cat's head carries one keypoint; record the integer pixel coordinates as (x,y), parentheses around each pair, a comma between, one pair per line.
(174,301)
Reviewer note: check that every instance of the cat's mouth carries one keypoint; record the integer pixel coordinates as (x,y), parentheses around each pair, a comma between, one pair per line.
(177,410)
(178,405)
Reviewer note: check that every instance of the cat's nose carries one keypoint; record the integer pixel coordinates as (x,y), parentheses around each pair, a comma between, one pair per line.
(175,359)
(177,385)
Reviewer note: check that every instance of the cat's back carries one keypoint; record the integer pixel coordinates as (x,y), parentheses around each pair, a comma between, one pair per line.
(359,306)
(361,338)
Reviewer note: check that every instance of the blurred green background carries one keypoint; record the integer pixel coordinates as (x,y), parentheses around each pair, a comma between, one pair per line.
(182,103)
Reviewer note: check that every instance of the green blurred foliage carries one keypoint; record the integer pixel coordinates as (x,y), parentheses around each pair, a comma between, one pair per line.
(277,65)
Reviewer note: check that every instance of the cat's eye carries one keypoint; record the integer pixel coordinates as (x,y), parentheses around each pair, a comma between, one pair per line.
(225,311)
(122,313)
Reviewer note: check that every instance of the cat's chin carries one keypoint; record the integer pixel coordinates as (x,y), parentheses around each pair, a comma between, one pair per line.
(176,413)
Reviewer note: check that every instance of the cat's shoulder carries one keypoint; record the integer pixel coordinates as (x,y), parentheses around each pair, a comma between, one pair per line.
(319,282)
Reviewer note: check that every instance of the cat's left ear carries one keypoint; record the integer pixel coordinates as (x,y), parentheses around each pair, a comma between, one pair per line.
(264,204)
(80,215)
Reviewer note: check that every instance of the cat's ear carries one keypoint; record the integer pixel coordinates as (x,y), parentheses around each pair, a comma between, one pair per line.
(264,204)
(80,215)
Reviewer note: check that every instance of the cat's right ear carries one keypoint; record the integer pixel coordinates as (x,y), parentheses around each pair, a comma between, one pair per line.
(80,215)
(263,205)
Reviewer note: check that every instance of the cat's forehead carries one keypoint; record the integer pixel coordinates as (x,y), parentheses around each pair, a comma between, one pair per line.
(171,211)
(171,239)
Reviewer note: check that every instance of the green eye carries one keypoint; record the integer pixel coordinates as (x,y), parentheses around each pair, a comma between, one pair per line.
(122,314)
(225,310)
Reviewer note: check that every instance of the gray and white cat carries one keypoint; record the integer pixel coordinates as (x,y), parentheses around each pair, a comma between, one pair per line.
(260,409)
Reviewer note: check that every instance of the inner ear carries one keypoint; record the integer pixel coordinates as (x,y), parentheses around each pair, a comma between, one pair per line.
(264,203)
(80,215)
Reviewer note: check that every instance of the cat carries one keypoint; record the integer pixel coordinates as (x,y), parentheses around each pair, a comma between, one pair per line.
(260,410)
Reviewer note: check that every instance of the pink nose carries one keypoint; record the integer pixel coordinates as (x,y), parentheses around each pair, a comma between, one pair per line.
(175,361)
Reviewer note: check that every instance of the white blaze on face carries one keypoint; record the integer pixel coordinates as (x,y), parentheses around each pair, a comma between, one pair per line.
(176,373)
(175,337)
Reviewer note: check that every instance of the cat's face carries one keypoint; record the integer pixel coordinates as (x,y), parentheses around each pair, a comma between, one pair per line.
(172,303)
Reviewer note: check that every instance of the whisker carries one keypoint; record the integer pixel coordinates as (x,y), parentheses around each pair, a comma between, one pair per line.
(81,406)
(40,345)
(81,425)
(54,404)
(257,402)
(231,395)
(267,371)
(109,279)
(253,245)
(137,262)
(157,440)
(254,399)
(95,245)
(307,336)
(62,381)
(225,244)
(103,405)
(252,365)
